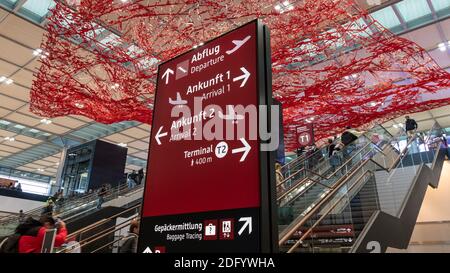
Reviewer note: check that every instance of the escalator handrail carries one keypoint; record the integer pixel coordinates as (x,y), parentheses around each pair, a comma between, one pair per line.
(100,222)
(65,204)
(327,177)
(335,189)
(310,229)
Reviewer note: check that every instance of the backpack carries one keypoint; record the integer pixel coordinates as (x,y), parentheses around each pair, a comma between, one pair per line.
(10,244)
(411,124)
(348,138)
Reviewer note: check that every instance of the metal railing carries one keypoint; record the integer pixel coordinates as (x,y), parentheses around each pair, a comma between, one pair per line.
(335,189)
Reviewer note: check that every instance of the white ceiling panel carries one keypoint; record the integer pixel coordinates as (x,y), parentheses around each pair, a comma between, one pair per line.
(446,27)
(10,103)
(22,119)
(133,167)
(7,69)
(52,128)
(22,31)
(51,159)
(119,138)
(44,163)
(135,132)
(68,122)
(26,139)
(444,122)
(141,155)
(421,116)
(442,111)
(14,53)
(145,127)
(34,65)
(4,133)
(20,145)
(4,146)
(16,91)
(23,77)
(139,145)
(34,166)
(26,110)
(132,150)
(4,154)
(426,37)
(4,112)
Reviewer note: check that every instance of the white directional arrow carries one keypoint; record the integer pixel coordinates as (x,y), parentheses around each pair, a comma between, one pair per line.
(243,77)
(167,74)
(147,250)
(246,149)
(159,134)
(248,223)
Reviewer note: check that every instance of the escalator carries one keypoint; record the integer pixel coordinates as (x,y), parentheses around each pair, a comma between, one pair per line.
(373,204)
(83,211)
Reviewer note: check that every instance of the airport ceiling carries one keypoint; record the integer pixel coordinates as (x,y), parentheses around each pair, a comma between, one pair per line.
(32,144)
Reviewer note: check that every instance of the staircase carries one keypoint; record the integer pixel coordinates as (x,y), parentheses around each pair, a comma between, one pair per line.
(374,206)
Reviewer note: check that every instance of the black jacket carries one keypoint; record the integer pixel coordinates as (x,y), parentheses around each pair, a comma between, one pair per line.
(411,124)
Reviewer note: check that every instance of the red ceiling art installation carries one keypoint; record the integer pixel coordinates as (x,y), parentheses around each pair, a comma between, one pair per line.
(333,64)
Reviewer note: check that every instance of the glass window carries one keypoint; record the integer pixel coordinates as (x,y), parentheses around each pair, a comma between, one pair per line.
(386,17)
(440,4)
(413,9)
(36,10)
(8,3)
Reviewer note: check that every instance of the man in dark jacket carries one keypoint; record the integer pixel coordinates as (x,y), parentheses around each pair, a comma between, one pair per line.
(129,244)
(410,126)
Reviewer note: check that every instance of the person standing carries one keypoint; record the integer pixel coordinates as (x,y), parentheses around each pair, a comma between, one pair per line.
(33,232)
(279,177)
(101,196)
(21,217)
(410,126)
(129,244)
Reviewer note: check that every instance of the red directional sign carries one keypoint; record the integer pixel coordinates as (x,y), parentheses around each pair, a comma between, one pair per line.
(305,135)
(203,188)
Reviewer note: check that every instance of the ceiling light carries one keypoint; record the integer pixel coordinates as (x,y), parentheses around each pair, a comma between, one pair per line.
(37,52)
(10,139)
(46,121)
(400,125)
(9,81)
(122,144)
(277,7)
(201,44)
(373,103)
(395,126)
(2,78)
(79,105)
(40,170)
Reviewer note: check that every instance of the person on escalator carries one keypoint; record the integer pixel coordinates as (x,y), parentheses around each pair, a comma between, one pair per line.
(101,196)
(410,126)
(445,146)
(331,147)
(129,244)
(32,234)
(279,177)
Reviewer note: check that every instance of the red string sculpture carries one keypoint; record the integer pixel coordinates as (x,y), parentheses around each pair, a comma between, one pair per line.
(333,64)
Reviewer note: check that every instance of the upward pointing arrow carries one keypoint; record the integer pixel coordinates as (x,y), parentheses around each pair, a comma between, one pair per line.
(248,223)
(167,74)
(147,250)
(243,77)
